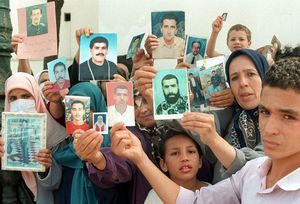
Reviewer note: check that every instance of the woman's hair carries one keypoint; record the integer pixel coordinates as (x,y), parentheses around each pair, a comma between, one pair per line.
(168,134)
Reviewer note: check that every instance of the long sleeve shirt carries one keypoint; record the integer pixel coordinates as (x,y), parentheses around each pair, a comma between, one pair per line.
(247,186)
(120,170)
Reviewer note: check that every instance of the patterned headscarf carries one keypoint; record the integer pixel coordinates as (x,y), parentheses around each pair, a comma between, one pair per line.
(245,131)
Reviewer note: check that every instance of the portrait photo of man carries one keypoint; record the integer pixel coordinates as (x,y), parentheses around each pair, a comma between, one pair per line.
(76,115)
(134,45)
(195,50)
(171,43)
(96,66)
(59,74)
(100,120)
(175,98)
(36,20)
(120,103)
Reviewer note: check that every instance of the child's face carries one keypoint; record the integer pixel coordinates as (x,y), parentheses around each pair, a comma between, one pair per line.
(237,40)
(182,159)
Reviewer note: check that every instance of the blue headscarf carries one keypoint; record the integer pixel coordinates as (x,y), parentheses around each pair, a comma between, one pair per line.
(82,190)
(244,132)
(259,61)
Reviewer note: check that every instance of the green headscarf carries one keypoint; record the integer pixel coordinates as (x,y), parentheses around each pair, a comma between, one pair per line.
(82,190)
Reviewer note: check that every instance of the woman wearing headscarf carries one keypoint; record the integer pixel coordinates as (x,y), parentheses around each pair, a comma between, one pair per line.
(22,95)
(245,70)
(76,186)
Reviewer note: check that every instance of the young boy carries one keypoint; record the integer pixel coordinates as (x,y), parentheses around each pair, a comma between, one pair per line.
(270,179)
(181,158)
(238,37)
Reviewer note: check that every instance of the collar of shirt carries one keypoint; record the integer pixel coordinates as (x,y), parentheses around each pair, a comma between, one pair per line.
(164,44)
(290,182)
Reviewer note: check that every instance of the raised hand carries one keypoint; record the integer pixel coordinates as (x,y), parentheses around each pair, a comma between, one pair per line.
(151,44)
(222,99)
(217,25)
(44,157)
(125,144)
(1,147)
(87,145)
(201,123)
(16,39)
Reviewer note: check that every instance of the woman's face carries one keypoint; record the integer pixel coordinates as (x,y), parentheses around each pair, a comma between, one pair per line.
(245,82)
(143,113)
(16,94)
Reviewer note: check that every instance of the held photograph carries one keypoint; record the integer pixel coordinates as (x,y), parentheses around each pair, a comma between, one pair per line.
(58,74)
(169,28)
(77,113)
(170,94)
(120,103)
(98,57)
(24,135)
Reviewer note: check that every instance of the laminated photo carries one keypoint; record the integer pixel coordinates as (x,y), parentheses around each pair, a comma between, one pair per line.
(77,113)
(170,94)
(24,134)
(213,80)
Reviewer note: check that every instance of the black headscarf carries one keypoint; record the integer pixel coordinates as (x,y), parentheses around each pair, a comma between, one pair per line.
(245,132)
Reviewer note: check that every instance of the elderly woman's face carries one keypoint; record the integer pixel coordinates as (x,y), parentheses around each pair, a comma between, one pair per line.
(245,82)
(16,94)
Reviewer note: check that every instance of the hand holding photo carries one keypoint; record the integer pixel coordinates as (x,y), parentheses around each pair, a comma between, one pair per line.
(134,46)
(224,16)
(170,94)
(58,74)
(169,27)
(98,57)
(24,134)
(77,113)
(100,122)
(120,103)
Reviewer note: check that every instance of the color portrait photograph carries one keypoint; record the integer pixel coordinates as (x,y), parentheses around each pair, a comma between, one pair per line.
(195,50)
(170,94)
(58,74)
(100,122)
(169,28)
(195,87)
(98,57)
(24,135)
(38,29)
(77,113)
(36,20)
(135,45)
(120,104)
(213,80)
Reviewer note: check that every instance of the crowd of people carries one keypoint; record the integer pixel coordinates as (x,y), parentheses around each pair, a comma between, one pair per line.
(246,153)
